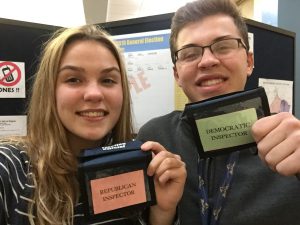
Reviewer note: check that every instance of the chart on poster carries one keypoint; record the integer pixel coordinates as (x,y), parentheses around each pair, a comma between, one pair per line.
(279,93)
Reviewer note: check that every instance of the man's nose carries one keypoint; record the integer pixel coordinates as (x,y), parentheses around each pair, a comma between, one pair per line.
(208,57)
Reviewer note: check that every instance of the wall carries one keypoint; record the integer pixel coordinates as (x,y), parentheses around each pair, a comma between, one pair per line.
(266,11)
(95,10)
(247,8)
(288,18)
(62,13)
(71,12)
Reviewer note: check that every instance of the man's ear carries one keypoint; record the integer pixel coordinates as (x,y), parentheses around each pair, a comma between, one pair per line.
(176,77)
(250,63)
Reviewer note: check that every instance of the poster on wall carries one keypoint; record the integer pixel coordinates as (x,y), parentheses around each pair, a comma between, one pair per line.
(279,93)
(12,85)
(251,45)
(150,73)
(12,79)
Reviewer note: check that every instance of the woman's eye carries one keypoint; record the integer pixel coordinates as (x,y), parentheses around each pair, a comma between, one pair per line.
(72,80)
(109,81)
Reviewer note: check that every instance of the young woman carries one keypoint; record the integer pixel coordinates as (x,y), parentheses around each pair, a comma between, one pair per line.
(80,99)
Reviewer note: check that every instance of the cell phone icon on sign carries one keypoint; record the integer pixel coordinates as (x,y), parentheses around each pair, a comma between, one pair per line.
(7,71)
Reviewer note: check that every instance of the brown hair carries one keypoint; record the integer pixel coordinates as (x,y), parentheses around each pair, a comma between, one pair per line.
(200,9)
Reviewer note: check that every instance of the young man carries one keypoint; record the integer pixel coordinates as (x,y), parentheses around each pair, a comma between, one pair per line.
(251,193)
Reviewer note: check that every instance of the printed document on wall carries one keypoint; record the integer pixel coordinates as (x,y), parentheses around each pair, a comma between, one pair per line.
(13,125)
(279,93)
(150,73)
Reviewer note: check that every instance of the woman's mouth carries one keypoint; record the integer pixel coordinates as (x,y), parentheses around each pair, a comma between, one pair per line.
(92,114)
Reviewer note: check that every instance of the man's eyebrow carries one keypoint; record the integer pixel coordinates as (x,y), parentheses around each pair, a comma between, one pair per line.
(222,38)
(189,45)
(213,41)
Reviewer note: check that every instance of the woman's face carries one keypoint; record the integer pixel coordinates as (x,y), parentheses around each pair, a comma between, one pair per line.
(89,94)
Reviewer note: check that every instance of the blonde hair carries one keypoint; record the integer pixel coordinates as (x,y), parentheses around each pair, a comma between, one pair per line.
(54,165)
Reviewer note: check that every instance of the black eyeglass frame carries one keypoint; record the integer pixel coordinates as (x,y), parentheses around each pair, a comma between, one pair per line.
(239,40)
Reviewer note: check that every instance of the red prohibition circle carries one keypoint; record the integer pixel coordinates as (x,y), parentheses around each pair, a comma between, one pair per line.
(14,68)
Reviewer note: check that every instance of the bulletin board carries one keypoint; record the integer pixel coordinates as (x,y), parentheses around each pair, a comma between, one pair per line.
(20,46)
(20,42)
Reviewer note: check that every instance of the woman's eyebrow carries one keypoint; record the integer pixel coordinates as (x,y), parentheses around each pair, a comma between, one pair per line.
(110,69)
(70,67)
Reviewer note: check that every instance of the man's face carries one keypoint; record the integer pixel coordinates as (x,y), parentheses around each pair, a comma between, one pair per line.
(212,76)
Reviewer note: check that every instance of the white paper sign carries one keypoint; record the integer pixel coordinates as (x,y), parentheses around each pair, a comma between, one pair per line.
(13,125)
(12,79)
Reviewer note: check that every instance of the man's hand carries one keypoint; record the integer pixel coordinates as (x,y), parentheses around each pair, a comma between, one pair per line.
(278,142)
(169,178)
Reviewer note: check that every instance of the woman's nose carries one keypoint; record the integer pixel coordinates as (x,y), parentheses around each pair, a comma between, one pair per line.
(93,92)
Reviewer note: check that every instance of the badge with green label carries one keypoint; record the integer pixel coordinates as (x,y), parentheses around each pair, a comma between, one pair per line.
(223,123)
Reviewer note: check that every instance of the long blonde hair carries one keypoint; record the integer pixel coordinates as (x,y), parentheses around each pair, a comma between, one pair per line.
(54,165)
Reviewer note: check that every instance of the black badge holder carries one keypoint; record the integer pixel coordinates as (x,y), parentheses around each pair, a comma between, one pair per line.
(222,124)
(114,181)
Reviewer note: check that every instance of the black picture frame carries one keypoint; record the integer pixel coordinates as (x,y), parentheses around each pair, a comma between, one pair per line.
(106,162)
(221,106)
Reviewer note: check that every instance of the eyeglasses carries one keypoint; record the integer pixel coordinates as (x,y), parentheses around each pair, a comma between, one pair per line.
(220,49)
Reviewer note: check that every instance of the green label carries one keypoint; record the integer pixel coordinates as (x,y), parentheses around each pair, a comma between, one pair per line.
(227,130)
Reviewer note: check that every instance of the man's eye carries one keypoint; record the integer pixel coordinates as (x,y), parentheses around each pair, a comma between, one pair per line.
(190,55)
(223,48)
